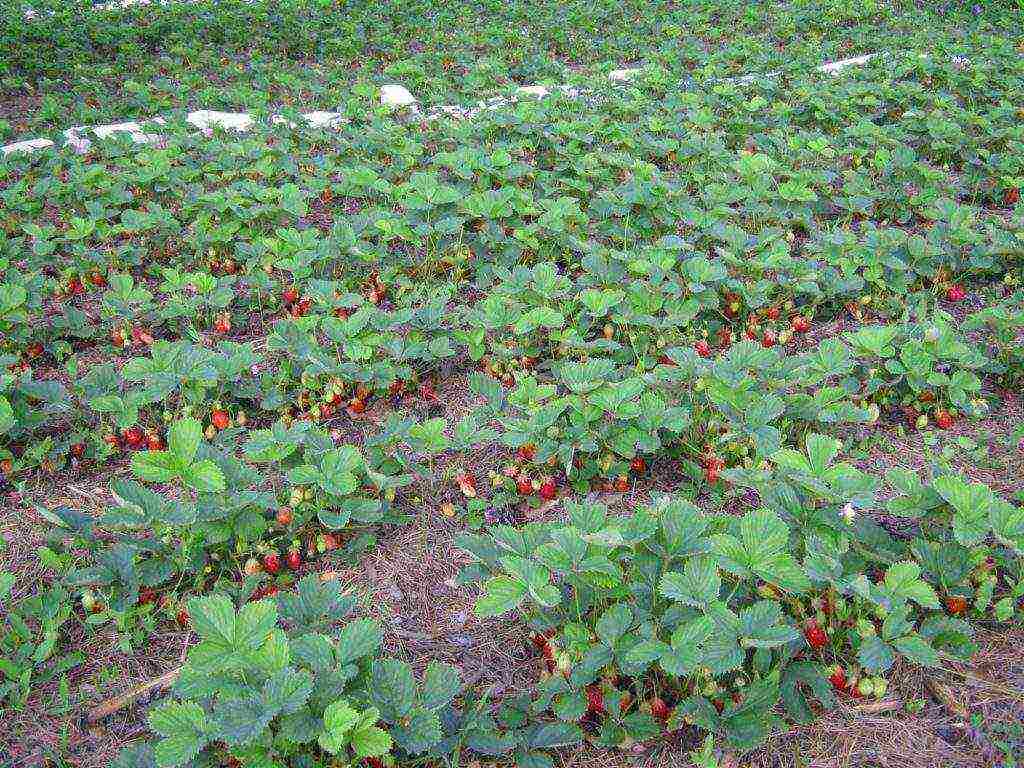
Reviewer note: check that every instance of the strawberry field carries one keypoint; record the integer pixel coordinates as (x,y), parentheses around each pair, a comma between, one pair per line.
(637,392)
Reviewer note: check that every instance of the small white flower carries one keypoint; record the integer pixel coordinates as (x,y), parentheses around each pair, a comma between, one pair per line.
(849,513)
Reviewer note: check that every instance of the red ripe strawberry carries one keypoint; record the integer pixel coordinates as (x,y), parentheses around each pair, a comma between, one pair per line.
(154,442)
(272,563)
(838,679)
(540,642)
(621,484)
(427,392)
(466,484)
(220,418)
(284,516)
(800,324)
(182,617)
(956,293)
(956,605)
(524,486)
(141,336)
(944,419)
(356,405)
(134,437)
(815,635)
(772,313)
(595,699)
(289,296)
(222,323)
(374,762)
(146,596)
(548,490)
(769,339)
(293,559)
(97,279)
(702,348)
(527,451)
(78,450)
(638,465)
(712,467)
(1011,196)
(659,709)
(75,287)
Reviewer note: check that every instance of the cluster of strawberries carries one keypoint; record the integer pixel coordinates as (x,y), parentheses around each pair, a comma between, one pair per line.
(133,439)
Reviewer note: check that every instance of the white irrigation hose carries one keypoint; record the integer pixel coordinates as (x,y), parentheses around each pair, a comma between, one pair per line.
(392,96)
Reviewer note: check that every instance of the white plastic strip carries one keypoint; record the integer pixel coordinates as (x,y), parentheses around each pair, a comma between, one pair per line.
(393,96)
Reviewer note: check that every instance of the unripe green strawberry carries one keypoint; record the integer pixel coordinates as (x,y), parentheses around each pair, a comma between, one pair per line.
(564,664)
(880,685)
(873,413)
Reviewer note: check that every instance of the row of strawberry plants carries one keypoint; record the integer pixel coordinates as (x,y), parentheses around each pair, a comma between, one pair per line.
(322,367)
(158,56)
(203,518)
(670,617)
(333,362)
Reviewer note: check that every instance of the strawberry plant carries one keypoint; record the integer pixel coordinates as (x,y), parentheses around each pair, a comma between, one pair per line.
(661,603)
(917,368)
(250,691)
(30,644)
(1002,324)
